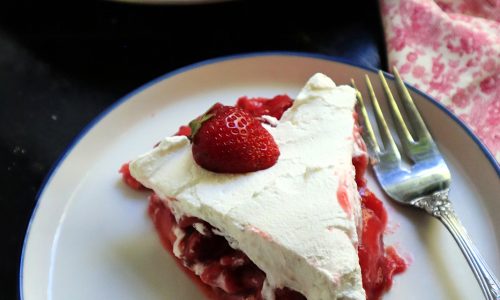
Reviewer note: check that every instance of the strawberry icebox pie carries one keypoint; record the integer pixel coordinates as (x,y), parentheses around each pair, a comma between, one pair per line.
(267,199)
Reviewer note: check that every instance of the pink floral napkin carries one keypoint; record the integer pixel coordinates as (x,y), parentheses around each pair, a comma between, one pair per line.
(450,49)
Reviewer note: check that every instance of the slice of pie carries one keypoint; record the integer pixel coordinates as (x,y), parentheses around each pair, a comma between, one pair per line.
(291,231)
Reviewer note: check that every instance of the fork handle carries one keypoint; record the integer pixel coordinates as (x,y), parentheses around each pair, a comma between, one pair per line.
(440,207)
(488,282)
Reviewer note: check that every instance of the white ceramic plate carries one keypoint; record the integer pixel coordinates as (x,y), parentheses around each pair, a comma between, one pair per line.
(90,237)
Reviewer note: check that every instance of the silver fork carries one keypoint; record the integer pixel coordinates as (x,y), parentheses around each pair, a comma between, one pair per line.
(426,183)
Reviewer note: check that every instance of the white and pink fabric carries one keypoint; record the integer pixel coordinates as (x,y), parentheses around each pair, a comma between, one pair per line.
(450,49)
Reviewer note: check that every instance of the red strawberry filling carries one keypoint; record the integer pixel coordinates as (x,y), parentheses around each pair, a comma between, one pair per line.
(263,106)
(225,273)
(229,273)
(128,179)
(184,130)
(378,264)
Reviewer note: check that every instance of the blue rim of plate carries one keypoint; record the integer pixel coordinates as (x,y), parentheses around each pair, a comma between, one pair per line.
(147,85)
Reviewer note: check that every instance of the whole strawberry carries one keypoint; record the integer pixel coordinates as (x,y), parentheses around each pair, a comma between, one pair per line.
(228,139)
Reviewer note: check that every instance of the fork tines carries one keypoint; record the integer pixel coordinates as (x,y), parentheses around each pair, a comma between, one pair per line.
(417,146)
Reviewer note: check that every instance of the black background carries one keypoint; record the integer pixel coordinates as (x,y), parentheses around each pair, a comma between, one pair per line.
(61,64)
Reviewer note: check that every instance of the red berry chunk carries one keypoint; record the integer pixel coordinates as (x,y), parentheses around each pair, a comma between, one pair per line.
(184,130)
(128,179)
(258,107)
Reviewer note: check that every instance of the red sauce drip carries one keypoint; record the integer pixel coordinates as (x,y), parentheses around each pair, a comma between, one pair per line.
(378,264)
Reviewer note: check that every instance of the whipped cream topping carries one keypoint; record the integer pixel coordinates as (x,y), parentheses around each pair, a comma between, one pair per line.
(286,219)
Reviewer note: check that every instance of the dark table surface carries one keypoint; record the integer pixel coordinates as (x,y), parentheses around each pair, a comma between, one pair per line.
(62,64)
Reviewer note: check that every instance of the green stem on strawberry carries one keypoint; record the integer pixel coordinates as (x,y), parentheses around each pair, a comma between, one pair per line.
(195,125)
